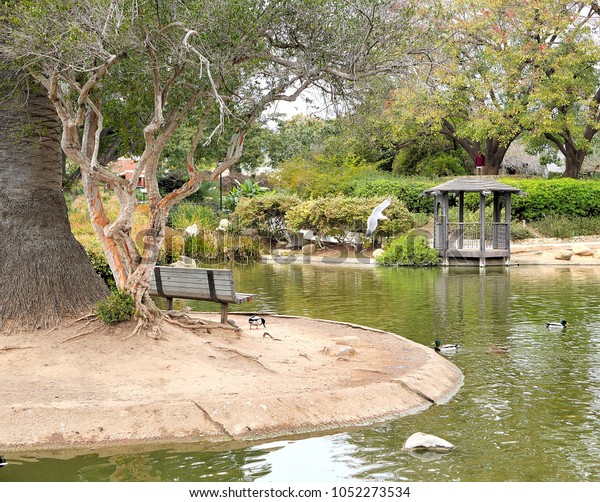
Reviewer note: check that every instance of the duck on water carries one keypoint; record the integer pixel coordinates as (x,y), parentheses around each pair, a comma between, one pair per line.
(449,347)
(557,325)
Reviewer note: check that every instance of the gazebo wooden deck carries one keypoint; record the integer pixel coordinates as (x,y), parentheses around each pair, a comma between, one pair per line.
(462,243)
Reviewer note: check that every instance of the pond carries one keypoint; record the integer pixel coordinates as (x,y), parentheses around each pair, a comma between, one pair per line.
(532,414)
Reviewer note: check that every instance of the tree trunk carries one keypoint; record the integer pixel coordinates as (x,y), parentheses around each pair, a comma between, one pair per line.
(493,150)
(573,160)
(45,275)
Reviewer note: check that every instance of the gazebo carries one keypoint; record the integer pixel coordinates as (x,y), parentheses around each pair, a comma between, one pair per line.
(464,243)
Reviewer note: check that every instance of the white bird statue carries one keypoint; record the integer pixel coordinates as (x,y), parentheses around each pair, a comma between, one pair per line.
(376,215)
(191,231)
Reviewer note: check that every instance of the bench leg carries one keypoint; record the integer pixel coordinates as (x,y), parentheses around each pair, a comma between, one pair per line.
(169,304)
(224,312)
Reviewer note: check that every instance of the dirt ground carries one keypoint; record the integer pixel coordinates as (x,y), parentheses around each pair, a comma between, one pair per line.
(85,385)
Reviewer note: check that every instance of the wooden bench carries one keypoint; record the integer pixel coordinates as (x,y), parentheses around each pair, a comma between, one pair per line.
(207,284)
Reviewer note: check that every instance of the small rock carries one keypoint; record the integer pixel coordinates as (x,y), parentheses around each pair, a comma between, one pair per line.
(565,255)
(282,252)
(309,249)
(345,351)
(582,250)
(420,440)
(377,253)
(352,341)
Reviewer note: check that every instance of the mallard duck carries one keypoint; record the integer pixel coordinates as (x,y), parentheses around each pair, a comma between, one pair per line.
(257,321)
(450,347)
(557,325)
(498,349)
(3,461)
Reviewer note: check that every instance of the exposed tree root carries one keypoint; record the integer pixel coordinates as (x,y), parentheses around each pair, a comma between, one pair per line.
(15,347)
(199,324)
(246,356)
(80,334)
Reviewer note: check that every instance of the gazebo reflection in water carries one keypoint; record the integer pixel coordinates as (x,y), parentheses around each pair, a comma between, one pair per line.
(480,243)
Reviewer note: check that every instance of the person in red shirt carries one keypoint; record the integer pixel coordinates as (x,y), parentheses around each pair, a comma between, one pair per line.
(479,162)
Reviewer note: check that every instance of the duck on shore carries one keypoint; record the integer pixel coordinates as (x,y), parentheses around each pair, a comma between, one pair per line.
(257,321)
(3,461)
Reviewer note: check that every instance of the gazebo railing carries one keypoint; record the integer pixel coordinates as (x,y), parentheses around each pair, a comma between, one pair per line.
(468,236)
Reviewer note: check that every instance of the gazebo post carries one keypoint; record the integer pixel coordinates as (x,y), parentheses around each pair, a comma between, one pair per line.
(482,230)
(507,221)
(461,219)
(497,212)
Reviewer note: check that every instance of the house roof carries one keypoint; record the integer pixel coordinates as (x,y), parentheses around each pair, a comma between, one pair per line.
(472,185)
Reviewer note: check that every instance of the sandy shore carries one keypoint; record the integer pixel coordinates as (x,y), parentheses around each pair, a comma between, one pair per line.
(86,386)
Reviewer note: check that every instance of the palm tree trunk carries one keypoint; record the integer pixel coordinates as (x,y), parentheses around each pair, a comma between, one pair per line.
(45,275)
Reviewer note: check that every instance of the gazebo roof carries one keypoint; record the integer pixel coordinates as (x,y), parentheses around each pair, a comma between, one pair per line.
(472,185)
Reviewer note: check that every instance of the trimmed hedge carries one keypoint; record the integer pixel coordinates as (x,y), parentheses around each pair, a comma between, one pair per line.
(334,216)
(406,190)
(555,197)
(266,212)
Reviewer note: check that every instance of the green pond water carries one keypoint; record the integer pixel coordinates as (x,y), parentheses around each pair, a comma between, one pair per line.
(532,414)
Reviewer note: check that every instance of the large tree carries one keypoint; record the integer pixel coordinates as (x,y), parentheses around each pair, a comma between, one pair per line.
(148,68)
(510,67)
(45,275)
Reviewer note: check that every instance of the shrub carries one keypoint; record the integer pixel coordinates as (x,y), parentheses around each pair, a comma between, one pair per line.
(442,164)
(213,245)
(519,231)
(562,196)
(320,175)
(248,188)
(189,213)
(97,258)
(266,213)
(118,307)
(563,227)
(406,190)
(335,216)
(409,250)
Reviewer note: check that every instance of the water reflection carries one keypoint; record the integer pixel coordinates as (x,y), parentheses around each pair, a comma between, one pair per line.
(532,414)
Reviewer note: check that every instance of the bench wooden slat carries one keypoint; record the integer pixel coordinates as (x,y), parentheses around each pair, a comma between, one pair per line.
(194,284)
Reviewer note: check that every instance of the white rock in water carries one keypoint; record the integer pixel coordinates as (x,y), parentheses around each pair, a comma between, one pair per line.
(378,252)
(427,441)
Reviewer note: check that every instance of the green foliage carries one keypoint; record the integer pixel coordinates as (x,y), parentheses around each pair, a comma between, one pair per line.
(555,197)
(98,260)
(249,188)
(169,182)
(189,213)
(564,227)
(335,216)
(406,190)
(442,164)
(409,250)
(430,155)
(320,175)
(520,231)
(118,307)
(214,245)
(265,213)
